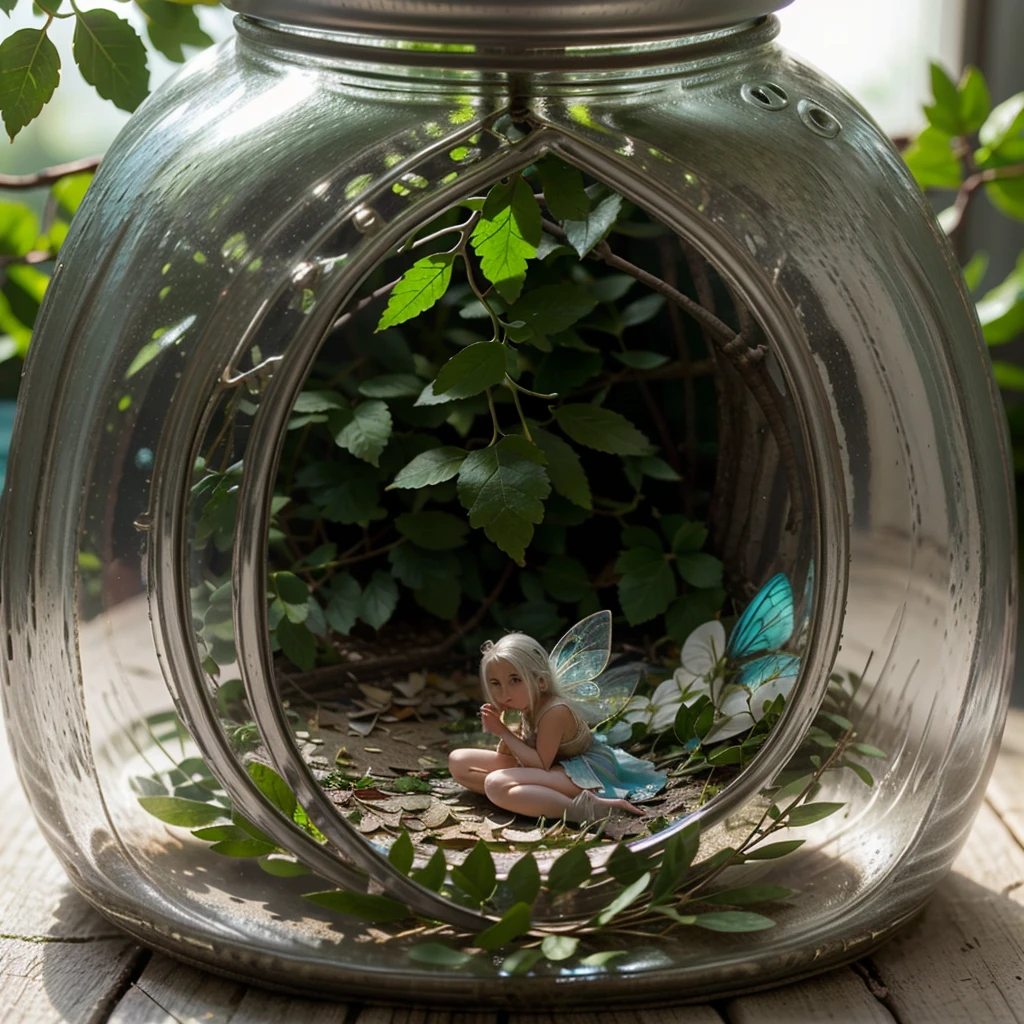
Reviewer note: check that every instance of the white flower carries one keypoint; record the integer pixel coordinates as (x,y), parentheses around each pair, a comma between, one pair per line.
(701,674)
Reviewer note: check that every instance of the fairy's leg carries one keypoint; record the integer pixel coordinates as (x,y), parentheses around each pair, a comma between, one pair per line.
(531,791)
(470,766)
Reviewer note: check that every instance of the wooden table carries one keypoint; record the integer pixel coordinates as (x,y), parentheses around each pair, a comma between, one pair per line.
(961,961)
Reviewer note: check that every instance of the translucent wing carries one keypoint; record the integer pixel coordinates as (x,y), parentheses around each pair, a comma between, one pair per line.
(583,652)
(600,699)
(766,623)
(766,669)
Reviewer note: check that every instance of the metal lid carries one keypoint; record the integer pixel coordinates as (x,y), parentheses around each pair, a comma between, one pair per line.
(546,24)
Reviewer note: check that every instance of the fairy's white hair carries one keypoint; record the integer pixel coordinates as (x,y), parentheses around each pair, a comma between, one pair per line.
(529,659)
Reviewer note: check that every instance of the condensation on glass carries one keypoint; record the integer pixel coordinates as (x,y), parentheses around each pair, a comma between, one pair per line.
(232,220)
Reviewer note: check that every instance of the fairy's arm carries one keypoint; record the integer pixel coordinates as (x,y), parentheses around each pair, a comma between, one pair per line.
(550,729)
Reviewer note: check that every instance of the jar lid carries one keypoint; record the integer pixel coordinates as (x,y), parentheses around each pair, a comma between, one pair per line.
(542,24)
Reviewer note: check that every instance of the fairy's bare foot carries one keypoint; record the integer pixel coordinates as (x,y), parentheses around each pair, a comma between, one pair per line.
(622,805)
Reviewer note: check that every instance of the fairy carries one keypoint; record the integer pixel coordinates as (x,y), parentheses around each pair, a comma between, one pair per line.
(552,764)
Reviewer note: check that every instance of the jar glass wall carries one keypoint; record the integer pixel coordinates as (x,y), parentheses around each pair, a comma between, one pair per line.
(230,240)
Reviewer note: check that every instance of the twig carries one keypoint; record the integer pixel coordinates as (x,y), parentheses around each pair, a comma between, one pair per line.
(972,184)
(49,175)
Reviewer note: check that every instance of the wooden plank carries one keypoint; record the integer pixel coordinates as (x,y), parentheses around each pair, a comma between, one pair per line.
(670,1015)
(962,961)
(840,996)
(384,1015)
(54,982)
(1006,788)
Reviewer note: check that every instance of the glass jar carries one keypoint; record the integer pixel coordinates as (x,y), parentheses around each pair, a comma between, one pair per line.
(229,232)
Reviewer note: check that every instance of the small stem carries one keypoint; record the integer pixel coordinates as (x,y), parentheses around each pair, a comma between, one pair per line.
(494,417)
(971,185)
(519,407)
(516,386)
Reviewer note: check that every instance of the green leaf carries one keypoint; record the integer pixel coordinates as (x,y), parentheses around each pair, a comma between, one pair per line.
(642,310)
(111,57)
(392,385)
(508,236)
(679,854)
(944,113)
(476,875)
(474,369)
(316,401)
(773,850)
(566,579)
(273,787)
(29,72)
(441,598)
(19,229)
(430,467)
(975,100)
(242,848)
(625,866)
(1007,195)
(747,894)
(401,853)
(625,899)
(564,192)
(585,232)
(513,923)
(432,876)
(175,810)
(435,531)
(378,600)
(974,270)
(688,538)
(419,288)
(524,879)
(647,586)
(638,360)
(417,568)
(564,468)
(932,161)
(375,909)
(343,607)
(171,25)
(364,431)
(570,871)
(1004,124)
(868,751)
(861,772)
(1001,310)
(700,570)
(688,612)
(282,866)
(436,954)
(733,921)
(503,492)
(294,595)
(521,961)
(602,429)
(297,643)
(552,308)
(559,947)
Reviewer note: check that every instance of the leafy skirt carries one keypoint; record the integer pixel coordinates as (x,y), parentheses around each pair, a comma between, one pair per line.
(613,773)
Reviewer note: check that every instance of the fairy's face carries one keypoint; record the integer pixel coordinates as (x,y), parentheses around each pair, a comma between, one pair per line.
(507,687)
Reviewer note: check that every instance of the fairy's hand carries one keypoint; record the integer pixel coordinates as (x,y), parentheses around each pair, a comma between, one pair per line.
(490,719)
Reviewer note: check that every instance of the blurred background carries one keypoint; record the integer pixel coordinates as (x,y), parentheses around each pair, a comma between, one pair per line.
(880,50)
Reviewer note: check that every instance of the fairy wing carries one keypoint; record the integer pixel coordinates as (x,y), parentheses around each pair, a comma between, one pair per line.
(582,654)
(766,669)
(766,623)
(602,698)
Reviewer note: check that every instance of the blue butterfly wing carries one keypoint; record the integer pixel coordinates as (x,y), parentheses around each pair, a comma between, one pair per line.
(766,623)
(766,668)
(583,653)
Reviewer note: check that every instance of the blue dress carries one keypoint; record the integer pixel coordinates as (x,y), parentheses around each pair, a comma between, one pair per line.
(592,764)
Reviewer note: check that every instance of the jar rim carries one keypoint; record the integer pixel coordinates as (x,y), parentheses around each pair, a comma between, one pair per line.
(513,23)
